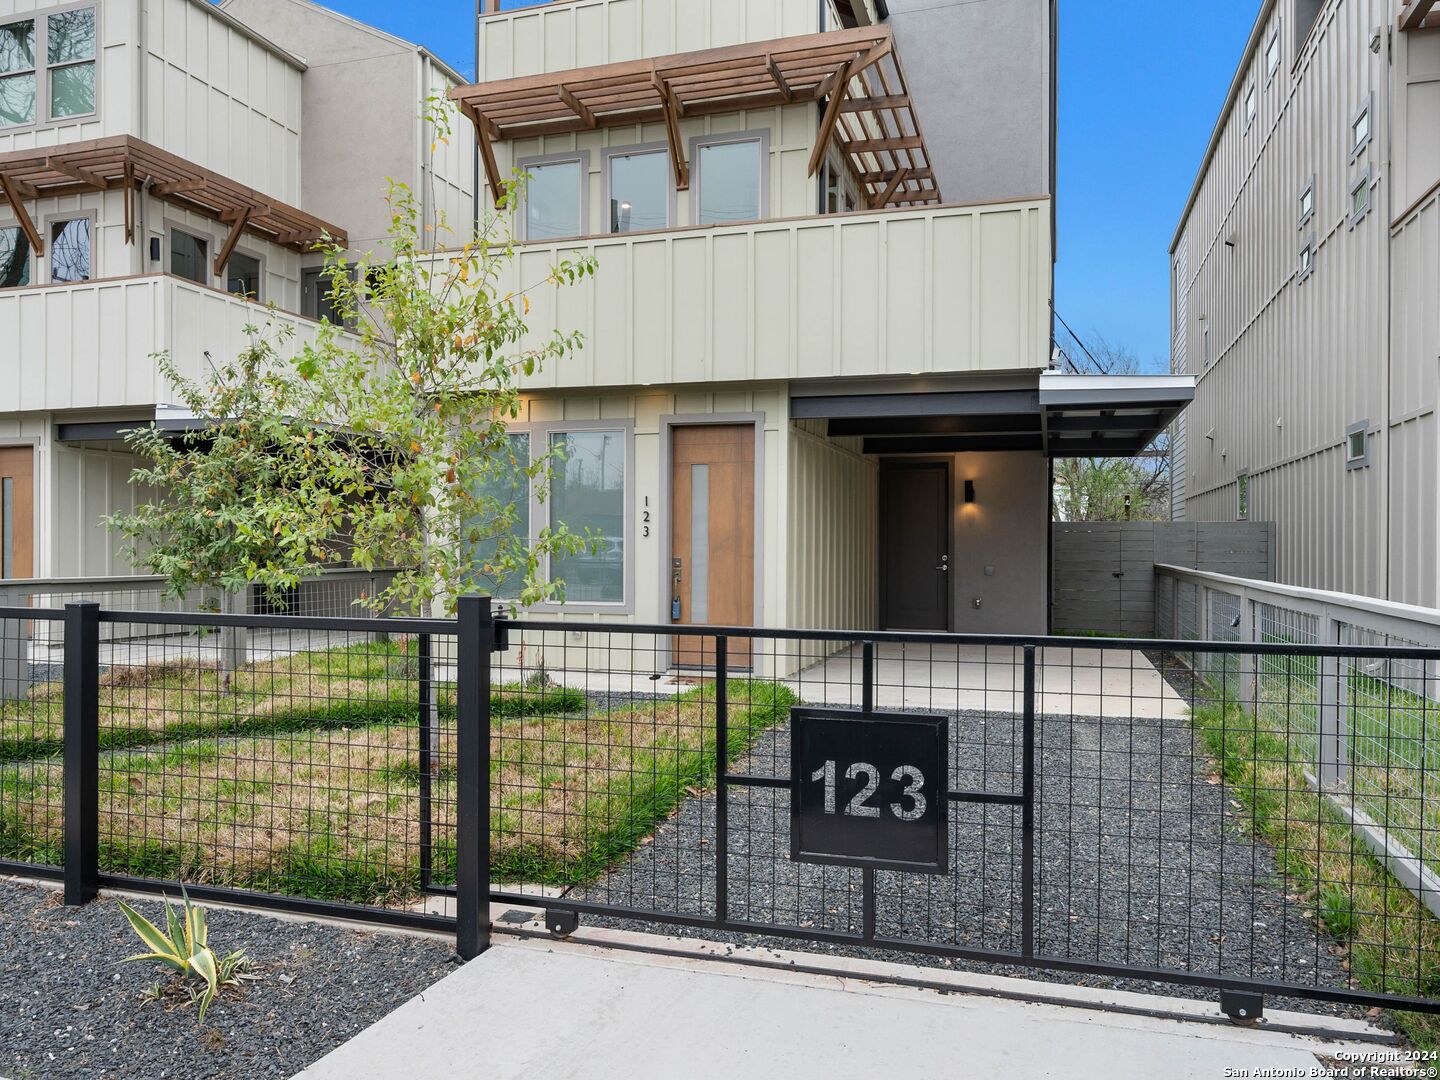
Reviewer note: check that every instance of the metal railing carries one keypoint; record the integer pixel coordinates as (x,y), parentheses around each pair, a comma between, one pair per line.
(1366,726)
(1109,807)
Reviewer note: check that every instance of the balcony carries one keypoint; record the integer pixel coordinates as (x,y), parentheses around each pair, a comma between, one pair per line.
(927,290)
(92,344)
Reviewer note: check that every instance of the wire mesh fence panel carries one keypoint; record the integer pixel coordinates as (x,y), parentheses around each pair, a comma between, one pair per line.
(32,716)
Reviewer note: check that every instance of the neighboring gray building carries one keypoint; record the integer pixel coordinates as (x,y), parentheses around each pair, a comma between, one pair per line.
(1306,298)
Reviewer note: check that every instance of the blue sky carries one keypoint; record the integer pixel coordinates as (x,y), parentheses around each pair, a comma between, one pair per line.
(1141,84)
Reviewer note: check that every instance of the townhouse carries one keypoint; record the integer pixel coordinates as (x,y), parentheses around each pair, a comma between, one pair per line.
(1305,271)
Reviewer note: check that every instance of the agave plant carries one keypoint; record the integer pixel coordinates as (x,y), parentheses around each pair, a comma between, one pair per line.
(184,946)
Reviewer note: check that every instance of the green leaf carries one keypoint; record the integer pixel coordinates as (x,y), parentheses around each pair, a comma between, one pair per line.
(150,934)
(165,958)
(204,965)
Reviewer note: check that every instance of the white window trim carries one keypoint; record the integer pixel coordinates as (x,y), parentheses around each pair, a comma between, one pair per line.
(610,153)
(524,165)
(43,120)
(1306,215)
(47,227)
(697,142)
(1367,107)
(1361,427)
(540,432)
(1361,181)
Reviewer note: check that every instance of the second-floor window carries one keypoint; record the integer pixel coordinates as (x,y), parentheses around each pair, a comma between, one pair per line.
(242,275)
(638,186)
(70,250)
(14,258)
(554,198)
(729,180)
(188,257)
(47,67)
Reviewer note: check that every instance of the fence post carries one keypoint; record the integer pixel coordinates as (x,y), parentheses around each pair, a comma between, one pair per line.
(722,779)
(429,754)
(1027,810)
(14,652)
(234,640)
(1330,719)
(1248,666)
(475,648)
(82,752)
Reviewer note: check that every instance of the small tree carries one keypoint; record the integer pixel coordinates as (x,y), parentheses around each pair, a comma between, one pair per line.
(383,444)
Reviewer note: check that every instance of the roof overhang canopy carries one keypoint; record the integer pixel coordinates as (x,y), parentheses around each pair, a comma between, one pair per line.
(857,72)
(1067,416)
(123,162)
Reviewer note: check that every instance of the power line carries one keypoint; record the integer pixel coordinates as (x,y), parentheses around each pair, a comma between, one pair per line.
(1076,338)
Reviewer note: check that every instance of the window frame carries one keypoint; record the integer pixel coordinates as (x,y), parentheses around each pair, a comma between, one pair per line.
(697,179)
(1362,181)
(31,262)
(519,431)
(259,258)
(1250,105)
(1303,270)
(522,202)
(71,118)
(1274,41)
(1360,461)
(540,509)
(1307,214)
(168,254)
(607,157)
(1242,495)
(1367,111)
(47,230)
(34,70)
(320,278)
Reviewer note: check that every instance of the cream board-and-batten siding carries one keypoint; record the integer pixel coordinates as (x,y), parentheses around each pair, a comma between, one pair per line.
(584,33)
(99,339)
(950,289)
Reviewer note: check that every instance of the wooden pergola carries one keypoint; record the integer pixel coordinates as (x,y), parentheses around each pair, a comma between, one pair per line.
(124,163)
(856,72)
(1419,14)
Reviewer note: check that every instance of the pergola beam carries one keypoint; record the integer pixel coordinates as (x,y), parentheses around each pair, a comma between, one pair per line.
(901,175)
(578,107)
(1414,14)
(237,220)
(83,176)
(12,196)
(178,187)
(779,78)
(671,108)
(832,116)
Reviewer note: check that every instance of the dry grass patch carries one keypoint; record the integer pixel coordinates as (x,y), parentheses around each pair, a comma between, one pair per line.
(335,814)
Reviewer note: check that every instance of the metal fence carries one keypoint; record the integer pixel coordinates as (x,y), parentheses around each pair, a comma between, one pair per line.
(1364,724)
(1110,807)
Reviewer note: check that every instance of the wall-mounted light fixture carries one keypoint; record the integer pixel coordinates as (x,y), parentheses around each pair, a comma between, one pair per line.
(969,491)
(154,249)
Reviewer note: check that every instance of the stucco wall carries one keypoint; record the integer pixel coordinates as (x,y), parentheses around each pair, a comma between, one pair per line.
(1006,529)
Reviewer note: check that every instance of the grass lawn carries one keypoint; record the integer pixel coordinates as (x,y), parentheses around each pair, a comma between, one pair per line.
(141,705)
(333,811)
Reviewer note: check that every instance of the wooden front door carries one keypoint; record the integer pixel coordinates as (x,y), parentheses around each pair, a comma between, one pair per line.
(712,537)
(17,512)
(915,546)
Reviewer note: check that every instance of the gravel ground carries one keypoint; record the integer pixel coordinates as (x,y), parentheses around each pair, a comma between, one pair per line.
(1142,861)
(68,1009)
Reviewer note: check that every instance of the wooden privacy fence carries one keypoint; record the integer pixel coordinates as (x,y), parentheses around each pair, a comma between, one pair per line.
(1103,572)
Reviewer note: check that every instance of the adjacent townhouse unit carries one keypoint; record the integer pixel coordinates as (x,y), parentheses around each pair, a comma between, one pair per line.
(166,167)
(815,387)
(1305,278)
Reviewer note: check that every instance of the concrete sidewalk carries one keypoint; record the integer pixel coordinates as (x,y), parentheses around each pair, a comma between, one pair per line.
(536,1008)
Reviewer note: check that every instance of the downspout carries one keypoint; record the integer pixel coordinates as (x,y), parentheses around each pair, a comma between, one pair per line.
(427,162)
(1388,203)
(475,196)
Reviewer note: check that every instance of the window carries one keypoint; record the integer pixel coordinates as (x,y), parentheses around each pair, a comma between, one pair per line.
(729,179)
(70,250)
(1307,202)
(1250,107)
(187,257)
(1360,128)
(1306,12)
(506,489)
(1357,445)
(14,258)
(1307,259)
(588,495)
(1360,198)
(17,73)
(242,275)
(637,191)
(317,296)
(554,198)
(70,62)
(1272,54)
(1242,497)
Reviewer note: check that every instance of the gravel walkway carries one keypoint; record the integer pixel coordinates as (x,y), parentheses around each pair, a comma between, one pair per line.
(68,1009)
(1141,855)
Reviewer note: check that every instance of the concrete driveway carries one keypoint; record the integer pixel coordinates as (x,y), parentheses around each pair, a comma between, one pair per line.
(1109,683)
(536,1008)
